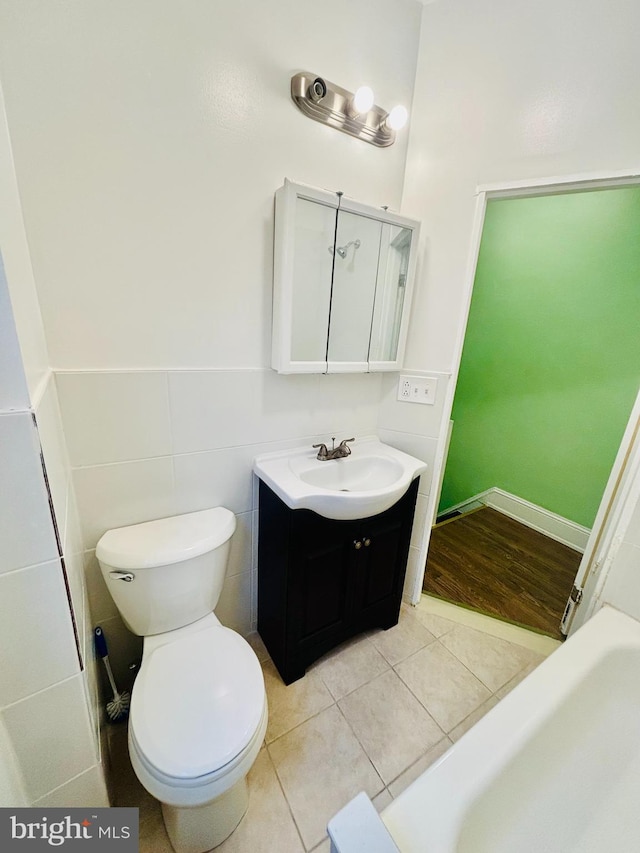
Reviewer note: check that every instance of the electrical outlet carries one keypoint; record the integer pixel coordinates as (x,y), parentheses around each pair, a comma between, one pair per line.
(404,391)
(418,389)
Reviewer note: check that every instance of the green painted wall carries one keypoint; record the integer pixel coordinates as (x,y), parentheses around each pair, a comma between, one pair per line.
(551,360)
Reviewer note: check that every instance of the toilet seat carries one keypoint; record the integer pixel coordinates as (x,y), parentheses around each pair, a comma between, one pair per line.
(204,789)
(198,710)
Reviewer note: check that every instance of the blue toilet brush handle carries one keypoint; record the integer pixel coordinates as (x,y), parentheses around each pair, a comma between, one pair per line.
(101,643)
(101,649)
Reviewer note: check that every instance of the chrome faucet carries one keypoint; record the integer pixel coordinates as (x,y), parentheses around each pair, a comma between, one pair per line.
(338,452)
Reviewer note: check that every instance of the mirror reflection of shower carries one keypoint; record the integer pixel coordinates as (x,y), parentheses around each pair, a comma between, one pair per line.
(342,250)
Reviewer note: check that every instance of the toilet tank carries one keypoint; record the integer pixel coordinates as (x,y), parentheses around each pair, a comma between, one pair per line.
(167,573)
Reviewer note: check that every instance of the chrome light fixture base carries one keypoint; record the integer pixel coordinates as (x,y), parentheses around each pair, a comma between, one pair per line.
(323,101)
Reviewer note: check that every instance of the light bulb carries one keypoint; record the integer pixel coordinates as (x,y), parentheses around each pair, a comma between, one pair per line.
(397,118)
(362,100)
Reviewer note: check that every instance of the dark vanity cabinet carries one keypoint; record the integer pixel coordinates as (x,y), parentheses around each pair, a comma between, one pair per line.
(321,581)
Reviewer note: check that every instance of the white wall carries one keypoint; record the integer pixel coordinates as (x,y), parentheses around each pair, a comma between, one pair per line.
(621,588)
(149,139)
(49,734)
(506,91)
(25,309)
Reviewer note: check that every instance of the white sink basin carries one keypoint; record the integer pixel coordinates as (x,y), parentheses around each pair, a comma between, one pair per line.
(365,483)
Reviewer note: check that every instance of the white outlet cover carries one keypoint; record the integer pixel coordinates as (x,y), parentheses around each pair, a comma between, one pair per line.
(417,389)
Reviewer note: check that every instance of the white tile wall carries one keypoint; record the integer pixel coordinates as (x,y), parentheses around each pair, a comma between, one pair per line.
(347,403)
(401,416)
(54,450)
(51,736)
(204,429)
(36,634)
(100,602)
(212,409)
(415,429)
(125,648)
(119,494)
(199,454)
(12,791)
(234,607)
(215,477)
(632,536)
(115,417)
(241,552)
(42,694)
(13,384)
(416,445)
(88,790)
(415,566)
(26,531)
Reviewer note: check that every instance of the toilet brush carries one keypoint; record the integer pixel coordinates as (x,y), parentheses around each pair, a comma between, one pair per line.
(118,707)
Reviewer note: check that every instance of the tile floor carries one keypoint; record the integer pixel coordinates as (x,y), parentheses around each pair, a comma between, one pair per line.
(369,716)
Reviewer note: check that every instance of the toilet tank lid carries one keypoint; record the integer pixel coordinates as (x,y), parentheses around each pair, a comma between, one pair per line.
(166,540)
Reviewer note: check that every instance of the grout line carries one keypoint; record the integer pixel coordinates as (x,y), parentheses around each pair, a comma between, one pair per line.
(362,747)
(284,794)
(422,755)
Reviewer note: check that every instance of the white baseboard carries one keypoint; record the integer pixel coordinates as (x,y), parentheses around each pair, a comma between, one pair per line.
(554,526)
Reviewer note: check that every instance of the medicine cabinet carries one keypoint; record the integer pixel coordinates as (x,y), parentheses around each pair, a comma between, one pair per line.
(343,280)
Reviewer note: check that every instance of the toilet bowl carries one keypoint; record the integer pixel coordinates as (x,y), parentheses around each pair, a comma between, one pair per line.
(198,708)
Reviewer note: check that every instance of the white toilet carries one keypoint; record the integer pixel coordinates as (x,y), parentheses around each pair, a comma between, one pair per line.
(198,710)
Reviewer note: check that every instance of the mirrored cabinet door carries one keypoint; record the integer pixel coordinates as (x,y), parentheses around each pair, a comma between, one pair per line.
(391,287)
(343,278)
(315,226)
(355,266)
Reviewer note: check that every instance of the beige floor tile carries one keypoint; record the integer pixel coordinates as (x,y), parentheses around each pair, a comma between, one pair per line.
(392,726)
(382,800)
(513,682)
(267,825)
(445,687)
(153,836)
(128,791)
(404,639)
(472,719)
(255,641)
(488,624)
(293,704)
(411,774)
(438,625)
(350,666)
(321,766)
(492,660)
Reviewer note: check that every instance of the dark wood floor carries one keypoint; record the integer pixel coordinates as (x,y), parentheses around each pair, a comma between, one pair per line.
(489,562)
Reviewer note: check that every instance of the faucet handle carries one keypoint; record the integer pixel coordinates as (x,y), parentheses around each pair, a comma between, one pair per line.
(323,452)
(343,445)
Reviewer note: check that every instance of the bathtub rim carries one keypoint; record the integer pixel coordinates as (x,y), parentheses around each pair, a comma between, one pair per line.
(429,814)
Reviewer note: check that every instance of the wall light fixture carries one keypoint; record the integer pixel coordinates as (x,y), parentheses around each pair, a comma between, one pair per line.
(355,114)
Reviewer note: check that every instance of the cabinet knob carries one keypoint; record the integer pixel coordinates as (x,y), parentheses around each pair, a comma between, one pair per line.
(357,544)
(367,542)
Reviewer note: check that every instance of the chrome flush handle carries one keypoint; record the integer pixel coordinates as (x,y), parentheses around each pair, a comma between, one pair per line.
(127,577)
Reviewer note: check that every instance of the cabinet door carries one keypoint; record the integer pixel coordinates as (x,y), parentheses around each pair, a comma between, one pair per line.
(378,571)
(321,587)
(381,568)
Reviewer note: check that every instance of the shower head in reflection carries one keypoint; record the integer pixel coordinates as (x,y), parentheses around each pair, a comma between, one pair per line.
(342,250)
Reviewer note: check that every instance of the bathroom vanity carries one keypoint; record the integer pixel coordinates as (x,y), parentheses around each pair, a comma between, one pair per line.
(322,580)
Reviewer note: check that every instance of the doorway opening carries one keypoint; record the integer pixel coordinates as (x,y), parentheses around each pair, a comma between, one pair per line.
(548,377)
